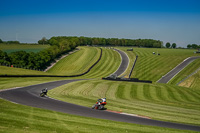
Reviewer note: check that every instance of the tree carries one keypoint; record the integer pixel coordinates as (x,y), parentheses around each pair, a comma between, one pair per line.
(168,45)
(173,45)
(194,46)
(4,59)
(1,41)
(43,41)
(189,46)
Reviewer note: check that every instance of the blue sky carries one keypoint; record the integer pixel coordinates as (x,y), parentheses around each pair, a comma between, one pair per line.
(166,20)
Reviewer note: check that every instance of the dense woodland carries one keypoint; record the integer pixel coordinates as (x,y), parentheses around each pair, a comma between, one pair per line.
(63,44)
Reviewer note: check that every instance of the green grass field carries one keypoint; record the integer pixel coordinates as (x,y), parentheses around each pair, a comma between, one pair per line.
(76,63)
(6,83)
(192,82)
(80,62)
(153,67)
(108,64)
(158,101)
(162,102)
(22,119)
(185,72)
(19,71)
(25,47)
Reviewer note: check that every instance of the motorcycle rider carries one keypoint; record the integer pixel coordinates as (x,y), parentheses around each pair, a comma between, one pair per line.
(44,91)
(99,101)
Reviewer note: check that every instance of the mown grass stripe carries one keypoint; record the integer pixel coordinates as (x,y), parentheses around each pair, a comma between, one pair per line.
(159,93)
(173,94)
(133,92)
(120,92)
(146,92)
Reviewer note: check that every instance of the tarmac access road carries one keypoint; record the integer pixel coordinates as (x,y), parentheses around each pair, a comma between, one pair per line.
(176,70)
(30,96)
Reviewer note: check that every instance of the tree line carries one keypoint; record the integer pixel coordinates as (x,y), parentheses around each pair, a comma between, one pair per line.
(105,41)
(193,46)
(63,44)
(40,60)
(10,42)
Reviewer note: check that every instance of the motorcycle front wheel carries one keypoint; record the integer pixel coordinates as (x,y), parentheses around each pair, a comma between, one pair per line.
(42,94)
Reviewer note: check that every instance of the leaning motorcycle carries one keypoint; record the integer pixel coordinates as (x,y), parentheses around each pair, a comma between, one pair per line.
(100,104)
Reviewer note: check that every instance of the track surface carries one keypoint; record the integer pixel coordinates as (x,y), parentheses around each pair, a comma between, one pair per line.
(176,70)
(124,63)
(30,96)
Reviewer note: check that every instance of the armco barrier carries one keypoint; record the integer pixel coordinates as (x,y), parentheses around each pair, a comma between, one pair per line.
(133,66)
(128,80)
(56,75)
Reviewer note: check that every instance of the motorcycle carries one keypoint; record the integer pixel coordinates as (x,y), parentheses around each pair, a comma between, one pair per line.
(100,104)
(43,92)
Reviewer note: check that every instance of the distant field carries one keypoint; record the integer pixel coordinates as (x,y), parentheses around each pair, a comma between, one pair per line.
(25,47)
(153,67)
(162,102)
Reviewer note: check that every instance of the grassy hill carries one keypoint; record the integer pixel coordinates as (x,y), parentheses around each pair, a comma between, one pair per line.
(185,72)
(151,66)
(162,102)
(76,63)
(19,71)
(108,64)
(158,101)
(192,82)
(80,62)
(25,47)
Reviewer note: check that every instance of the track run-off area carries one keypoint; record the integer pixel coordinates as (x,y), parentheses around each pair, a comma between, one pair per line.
(30,96)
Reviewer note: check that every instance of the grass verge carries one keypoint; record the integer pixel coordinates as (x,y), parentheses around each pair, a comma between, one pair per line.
(19,71)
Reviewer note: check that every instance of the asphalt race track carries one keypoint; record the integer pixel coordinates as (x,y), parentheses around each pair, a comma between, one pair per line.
(176,70)
(124,64)
(30,96)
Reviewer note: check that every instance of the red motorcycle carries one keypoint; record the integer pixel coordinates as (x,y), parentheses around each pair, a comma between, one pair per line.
(100,104)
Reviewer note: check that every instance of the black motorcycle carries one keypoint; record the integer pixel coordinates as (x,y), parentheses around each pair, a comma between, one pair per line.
(43,92)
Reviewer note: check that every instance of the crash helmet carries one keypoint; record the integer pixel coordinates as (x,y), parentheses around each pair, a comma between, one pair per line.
(104,99)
